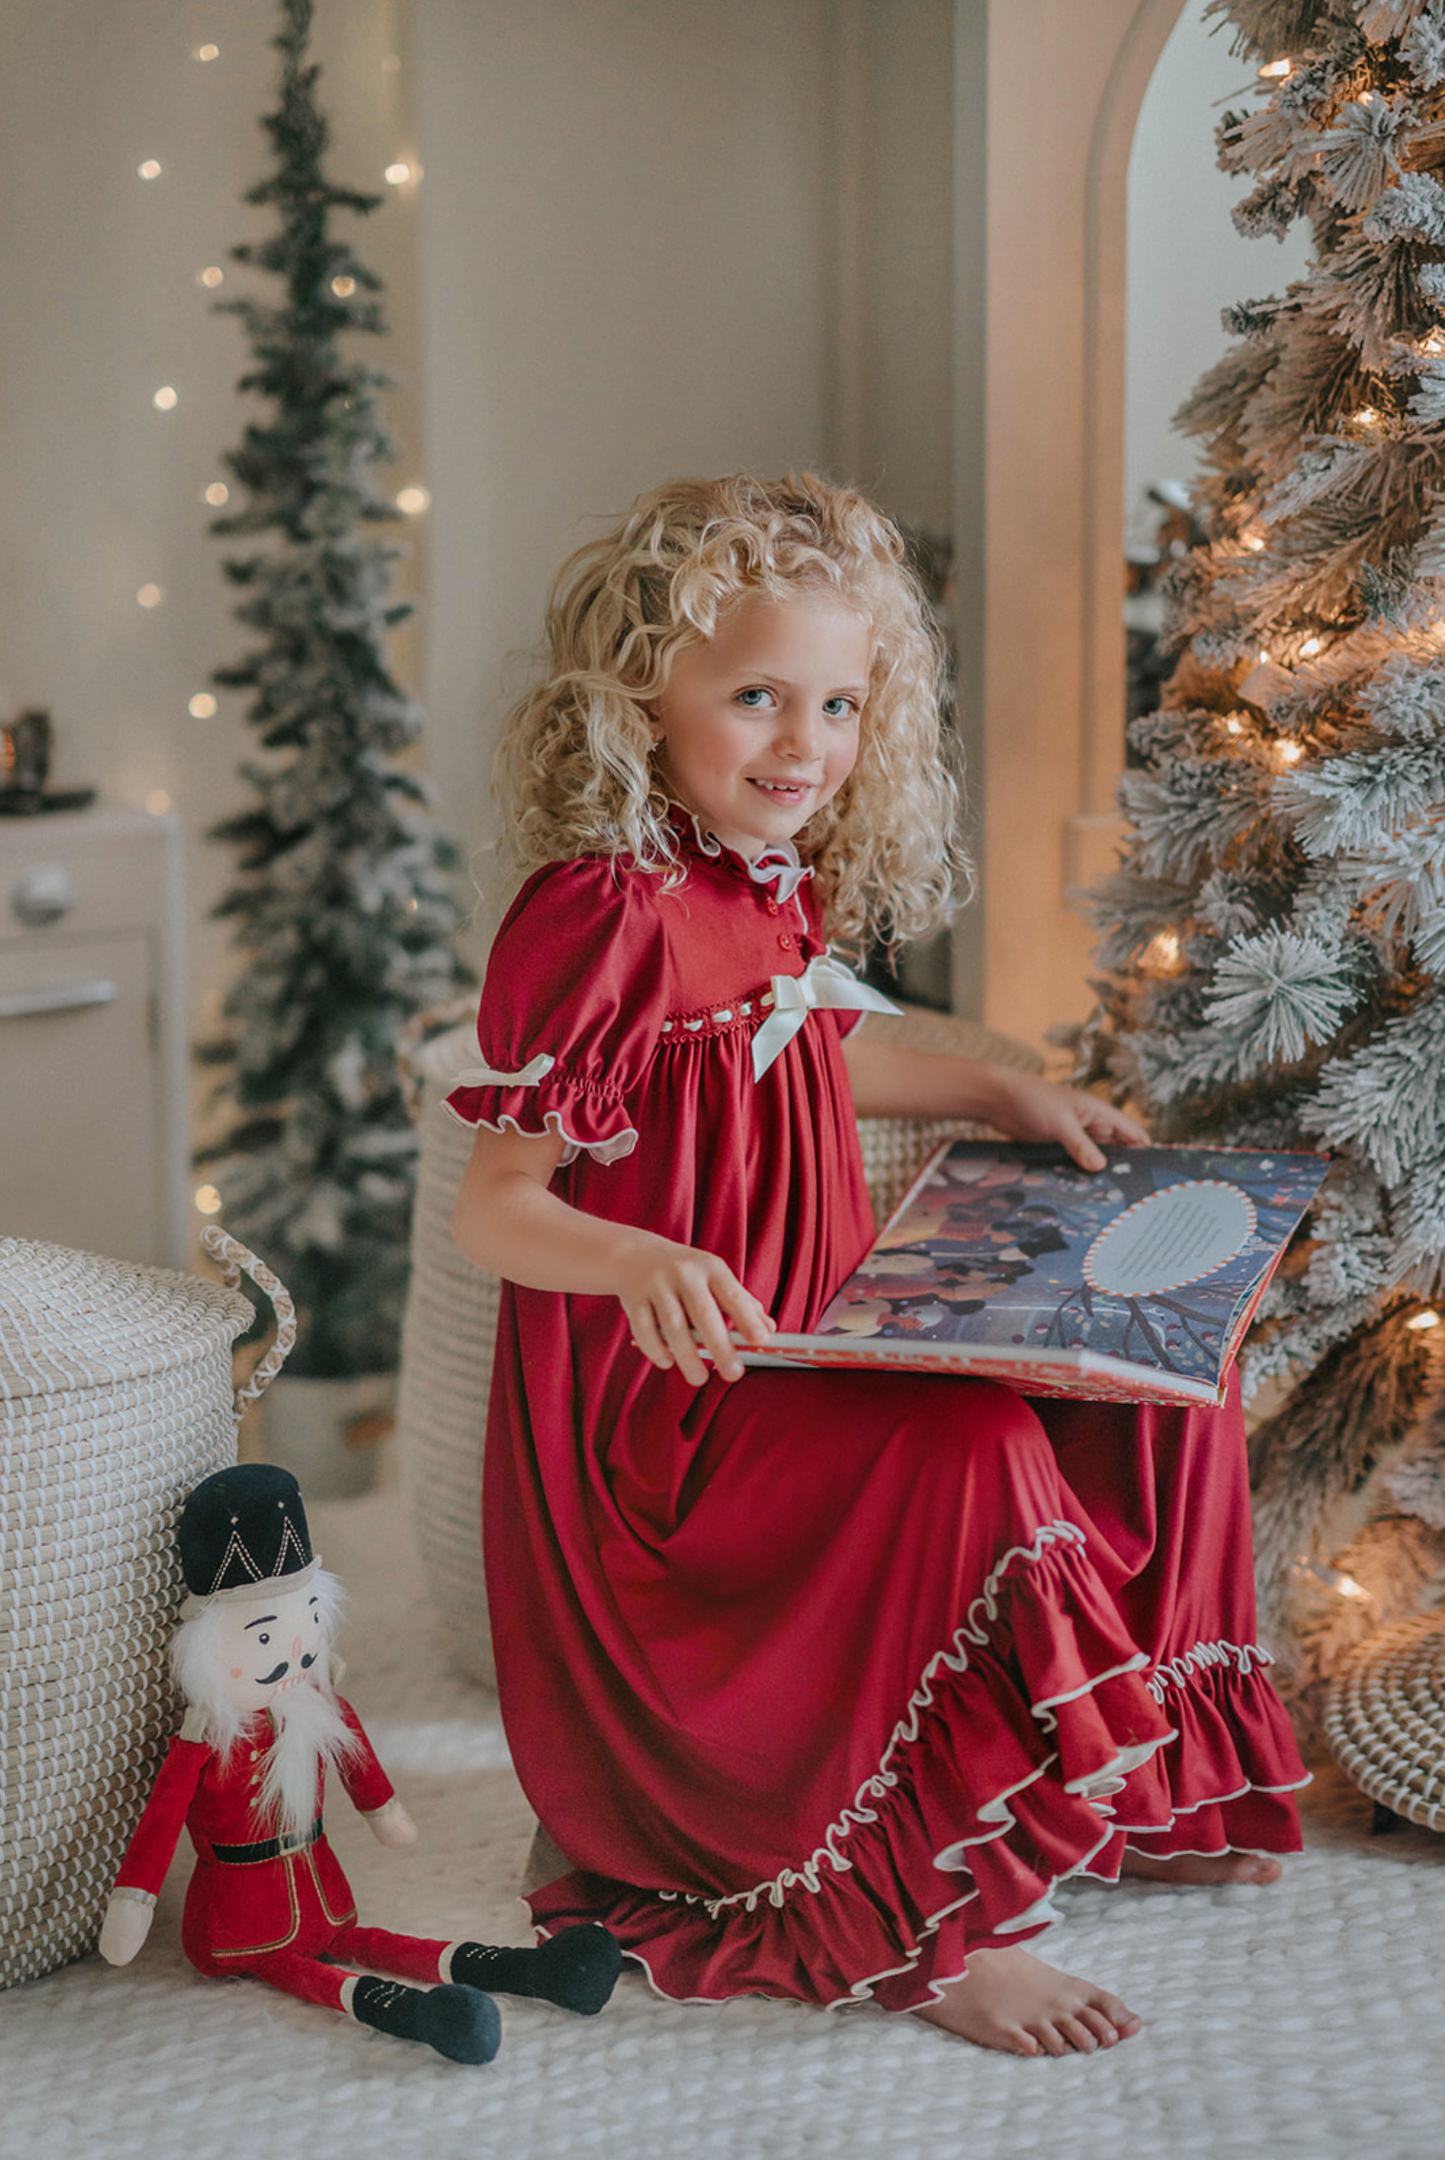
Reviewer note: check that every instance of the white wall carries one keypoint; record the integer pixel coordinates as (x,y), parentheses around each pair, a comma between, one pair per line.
(626,255)
(1186,261)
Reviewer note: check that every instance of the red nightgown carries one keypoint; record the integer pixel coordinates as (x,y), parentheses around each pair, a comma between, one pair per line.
(819,1679)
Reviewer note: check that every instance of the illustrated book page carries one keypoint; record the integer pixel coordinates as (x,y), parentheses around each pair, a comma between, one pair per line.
(1007,1261)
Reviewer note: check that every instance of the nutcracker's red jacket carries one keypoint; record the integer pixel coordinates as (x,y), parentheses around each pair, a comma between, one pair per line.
(240,1908)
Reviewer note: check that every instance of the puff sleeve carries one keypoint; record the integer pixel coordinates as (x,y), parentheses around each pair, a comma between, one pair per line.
(574,996)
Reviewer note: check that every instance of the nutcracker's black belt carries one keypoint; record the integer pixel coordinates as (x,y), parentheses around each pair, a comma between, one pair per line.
(270,1848)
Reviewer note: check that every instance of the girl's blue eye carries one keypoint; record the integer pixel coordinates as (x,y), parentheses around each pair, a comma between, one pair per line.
(753,698)
(838,708)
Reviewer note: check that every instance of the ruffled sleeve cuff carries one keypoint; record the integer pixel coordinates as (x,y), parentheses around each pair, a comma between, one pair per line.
(540,1097)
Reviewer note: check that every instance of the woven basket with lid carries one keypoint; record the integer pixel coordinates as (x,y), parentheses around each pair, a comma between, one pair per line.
(1385,1718)
(115,1399)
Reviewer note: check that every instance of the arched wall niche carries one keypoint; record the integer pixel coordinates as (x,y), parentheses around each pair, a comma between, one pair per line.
(1040,462)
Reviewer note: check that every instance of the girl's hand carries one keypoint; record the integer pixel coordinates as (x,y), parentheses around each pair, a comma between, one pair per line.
(1027,1108)
(679,1301)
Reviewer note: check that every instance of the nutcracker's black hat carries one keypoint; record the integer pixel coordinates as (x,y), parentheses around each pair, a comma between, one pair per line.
(244,1528)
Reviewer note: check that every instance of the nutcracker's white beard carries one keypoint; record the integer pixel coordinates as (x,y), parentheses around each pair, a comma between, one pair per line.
(310,1732)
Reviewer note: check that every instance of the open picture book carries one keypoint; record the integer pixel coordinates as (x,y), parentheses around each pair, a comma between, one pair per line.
(1006,1261)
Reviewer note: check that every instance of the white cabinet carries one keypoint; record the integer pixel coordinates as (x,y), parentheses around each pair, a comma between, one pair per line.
(94,1146)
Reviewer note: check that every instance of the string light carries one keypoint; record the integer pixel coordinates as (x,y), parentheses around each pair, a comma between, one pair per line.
(158,802)
(208,1200)
(1161,955)
(1366,417)
(1290,753)
(149,168)
(1434,345)
(343,287)
(202,706)
(149,596)
(208,52)
(1233,725)
(1276,70)
(212,275)
(217,493)
(1348,1587)
(413,501)
(1311,646)
(1419,1322)
(398,174)
(165,399)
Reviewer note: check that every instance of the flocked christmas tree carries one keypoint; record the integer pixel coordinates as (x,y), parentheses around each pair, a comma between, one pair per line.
(1276,932)
(342,908)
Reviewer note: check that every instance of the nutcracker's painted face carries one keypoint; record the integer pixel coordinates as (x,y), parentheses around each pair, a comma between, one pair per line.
(269,1644)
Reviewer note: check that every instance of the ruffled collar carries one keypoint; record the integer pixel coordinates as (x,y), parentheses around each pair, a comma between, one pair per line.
(779,864)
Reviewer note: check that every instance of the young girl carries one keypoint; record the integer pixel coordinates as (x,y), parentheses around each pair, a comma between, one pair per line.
(820,1680)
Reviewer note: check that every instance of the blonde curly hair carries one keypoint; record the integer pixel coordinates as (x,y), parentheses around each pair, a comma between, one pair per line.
(575,774)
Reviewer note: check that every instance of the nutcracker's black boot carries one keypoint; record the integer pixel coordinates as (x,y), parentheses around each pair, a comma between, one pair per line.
(577,1969)
(459,2022)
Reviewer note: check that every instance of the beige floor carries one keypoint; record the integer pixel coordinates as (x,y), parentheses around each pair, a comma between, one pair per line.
(1308,2020)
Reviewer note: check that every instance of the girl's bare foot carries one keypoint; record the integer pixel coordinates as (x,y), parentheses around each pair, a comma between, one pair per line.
(1014,2002)
(1232,1867)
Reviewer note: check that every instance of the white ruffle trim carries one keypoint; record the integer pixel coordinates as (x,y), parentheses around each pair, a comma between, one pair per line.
(983,1609)
(1177,1672)
(602,1151)
(535,1069)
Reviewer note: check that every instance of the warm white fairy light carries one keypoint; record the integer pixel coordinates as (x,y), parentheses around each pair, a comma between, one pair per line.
(165,399)
(1419,1322)
(413,501)
(1234,725)
(1254,541)
(208,52)
(398,174)
(212,275)
(1367,417)
(149,596)
(158,802)
(1311,646)
(1434,345)
(217,493)
(202,706)
(1276,70)
(208,1200)
(343,287)
(1290,753)
(149,168)
(1161,956)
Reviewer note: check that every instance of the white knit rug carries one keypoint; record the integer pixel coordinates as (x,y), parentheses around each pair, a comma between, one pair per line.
(1306,2020)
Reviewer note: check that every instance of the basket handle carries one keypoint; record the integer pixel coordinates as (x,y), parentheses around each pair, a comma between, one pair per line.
(231,1256)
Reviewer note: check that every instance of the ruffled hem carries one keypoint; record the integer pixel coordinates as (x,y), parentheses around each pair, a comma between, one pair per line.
(961,1840)
(465,1105)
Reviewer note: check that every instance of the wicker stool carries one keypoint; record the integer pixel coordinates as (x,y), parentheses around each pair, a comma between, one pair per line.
(115,1399)
(1385,1720)
(451,1317)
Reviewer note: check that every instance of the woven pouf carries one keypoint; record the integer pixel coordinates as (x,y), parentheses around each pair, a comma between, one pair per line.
(115,1399)
(451,1319)
(1385,1718)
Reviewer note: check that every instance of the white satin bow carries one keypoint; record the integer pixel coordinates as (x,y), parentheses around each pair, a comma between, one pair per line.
(825,982)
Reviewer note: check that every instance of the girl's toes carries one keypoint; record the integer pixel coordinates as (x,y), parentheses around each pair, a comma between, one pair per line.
(1051,2040)
(1078,2035)
(1103,2029)
(1119,2015)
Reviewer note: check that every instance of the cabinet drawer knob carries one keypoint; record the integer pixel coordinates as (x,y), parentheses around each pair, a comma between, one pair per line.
(55,997)
(43,895)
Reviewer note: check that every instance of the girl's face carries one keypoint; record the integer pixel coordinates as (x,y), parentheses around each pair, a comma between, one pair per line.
(758,725)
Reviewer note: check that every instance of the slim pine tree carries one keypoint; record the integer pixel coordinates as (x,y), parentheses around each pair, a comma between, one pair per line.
(342,908)
(1275,935)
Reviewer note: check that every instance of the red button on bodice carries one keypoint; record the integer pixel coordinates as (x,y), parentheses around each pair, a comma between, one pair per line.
(786,942)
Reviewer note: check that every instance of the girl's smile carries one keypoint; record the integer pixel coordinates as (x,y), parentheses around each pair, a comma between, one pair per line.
(758,725)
